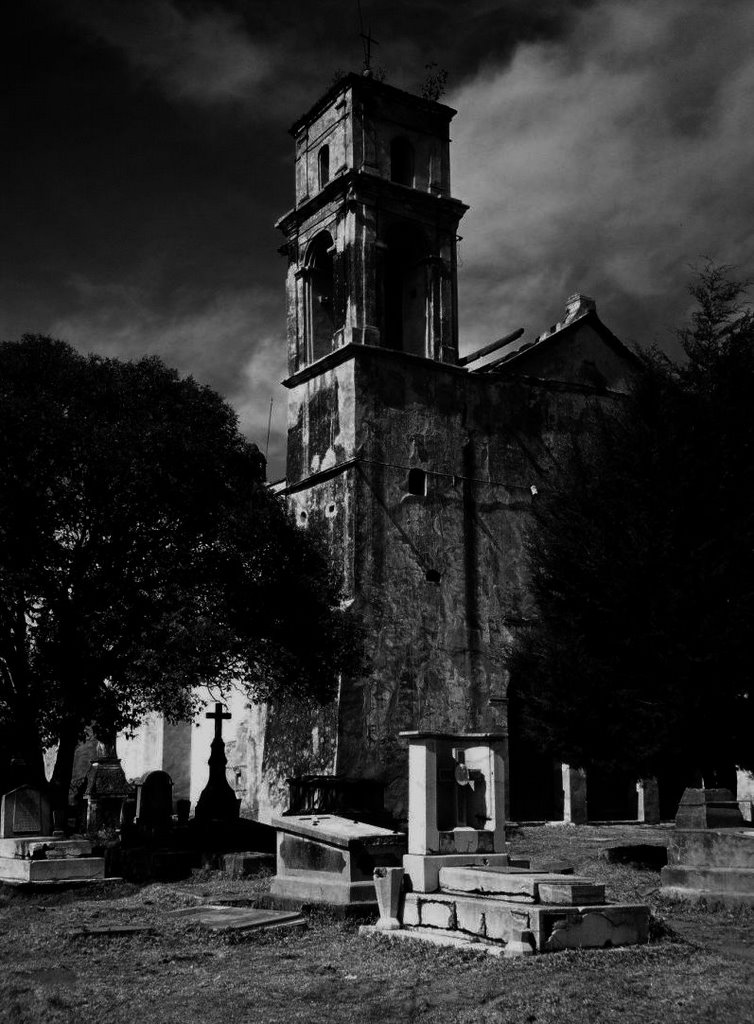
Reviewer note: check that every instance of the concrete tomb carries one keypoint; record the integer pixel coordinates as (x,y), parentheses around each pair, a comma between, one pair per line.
(28,853)
(469,893)
(329,859)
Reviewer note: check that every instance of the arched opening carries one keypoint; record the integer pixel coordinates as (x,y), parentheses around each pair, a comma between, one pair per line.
(405,290)
(320,294)
(323,165)
(402,162)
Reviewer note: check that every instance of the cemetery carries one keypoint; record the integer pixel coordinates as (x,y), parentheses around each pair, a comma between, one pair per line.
(462,914)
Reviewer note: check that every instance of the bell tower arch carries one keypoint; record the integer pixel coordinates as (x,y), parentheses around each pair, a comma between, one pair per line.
(373,177)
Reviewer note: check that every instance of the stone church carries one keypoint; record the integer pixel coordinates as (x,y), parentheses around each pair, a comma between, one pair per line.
(420,466)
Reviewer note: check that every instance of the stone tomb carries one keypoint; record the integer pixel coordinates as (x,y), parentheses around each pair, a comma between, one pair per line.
(456,803)
(29,854)
(330,860)
(477,897)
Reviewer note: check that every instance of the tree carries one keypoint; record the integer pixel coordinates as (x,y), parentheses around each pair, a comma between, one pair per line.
(642,561)
(141,555)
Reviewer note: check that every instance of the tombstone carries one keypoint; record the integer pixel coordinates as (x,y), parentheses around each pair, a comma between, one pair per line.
(154,802)
(574,795)
(218,801)
(456,809)
(25,811)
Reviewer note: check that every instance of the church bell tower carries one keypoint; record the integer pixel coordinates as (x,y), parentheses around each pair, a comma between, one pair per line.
(371,241)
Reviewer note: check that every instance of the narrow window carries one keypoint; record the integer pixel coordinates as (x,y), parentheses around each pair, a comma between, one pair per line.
(402,162)
(417,482)
(323,164)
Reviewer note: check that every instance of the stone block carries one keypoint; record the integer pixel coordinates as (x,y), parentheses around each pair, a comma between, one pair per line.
(519,884)
(437,915)
(470,917)
(571,893)
(248,864)
(411,912)
(423,872)
(503,921)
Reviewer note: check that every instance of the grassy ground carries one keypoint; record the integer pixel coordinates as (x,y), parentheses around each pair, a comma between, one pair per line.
(697,968)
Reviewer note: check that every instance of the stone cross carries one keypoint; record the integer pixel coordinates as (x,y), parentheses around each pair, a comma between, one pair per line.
(219,716)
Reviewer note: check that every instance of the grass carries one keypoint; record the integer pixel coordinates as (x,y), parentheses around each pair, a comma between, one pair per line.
(697,968)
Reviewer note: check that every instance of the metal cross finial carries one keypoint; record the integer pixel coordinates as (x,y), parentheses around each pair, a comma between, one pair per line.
(368,40)
(219,716)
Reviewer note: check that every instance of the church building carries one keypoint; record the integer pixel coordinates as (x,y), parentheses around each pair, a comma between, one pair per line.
(420,467)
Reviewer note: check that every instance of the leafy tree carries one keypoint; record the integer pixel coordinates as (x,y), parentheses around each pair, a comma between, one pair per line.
(141,555)
(642,560)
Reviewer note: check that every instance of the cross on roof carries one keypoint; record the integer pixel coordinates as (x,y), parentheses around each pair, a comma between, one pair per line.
(368,41)
(219,716)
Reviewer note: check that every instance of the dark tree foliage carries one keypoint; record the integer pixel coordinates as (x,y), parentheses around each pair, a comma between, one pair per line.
(141,554)
(642,559)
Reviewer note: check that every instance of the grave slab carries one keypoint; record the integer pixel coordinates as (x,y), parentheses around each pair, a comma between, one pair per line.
(219,918)
(522,883)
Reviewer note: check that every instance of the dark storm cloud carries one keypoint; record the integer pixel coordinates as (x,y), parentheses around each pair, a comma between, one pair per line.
(607,166)
(602,147)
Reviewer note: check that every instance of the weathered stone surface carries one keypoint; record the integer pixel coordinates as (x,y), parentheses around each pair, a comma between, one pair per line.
(329,859)
(14,869)
(708,808)
(222,918)
(424,871)
(24,811)
(437,915)
(575,893)
(518,882)
(550,927)
(609,926)
(248,864)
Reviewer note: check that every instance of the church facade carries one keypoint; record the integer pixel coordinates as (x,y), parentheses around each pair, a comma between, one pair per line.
(420,467)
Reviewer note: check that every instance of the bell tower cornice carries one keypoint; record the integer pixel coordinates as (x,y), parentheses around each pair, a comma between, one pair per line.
(357,186)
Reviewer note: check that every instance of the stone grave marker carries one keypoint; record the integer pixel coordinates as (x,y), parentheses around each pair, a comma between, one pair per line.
(25,811)
(154,802)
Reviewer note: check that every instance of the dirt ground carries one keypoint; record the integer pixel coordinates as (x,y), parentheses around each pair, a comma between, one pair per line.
(699,965)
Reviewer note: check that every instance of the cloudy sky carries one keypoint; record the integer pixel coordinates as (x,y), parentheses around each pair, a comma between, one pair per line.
(603,145)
